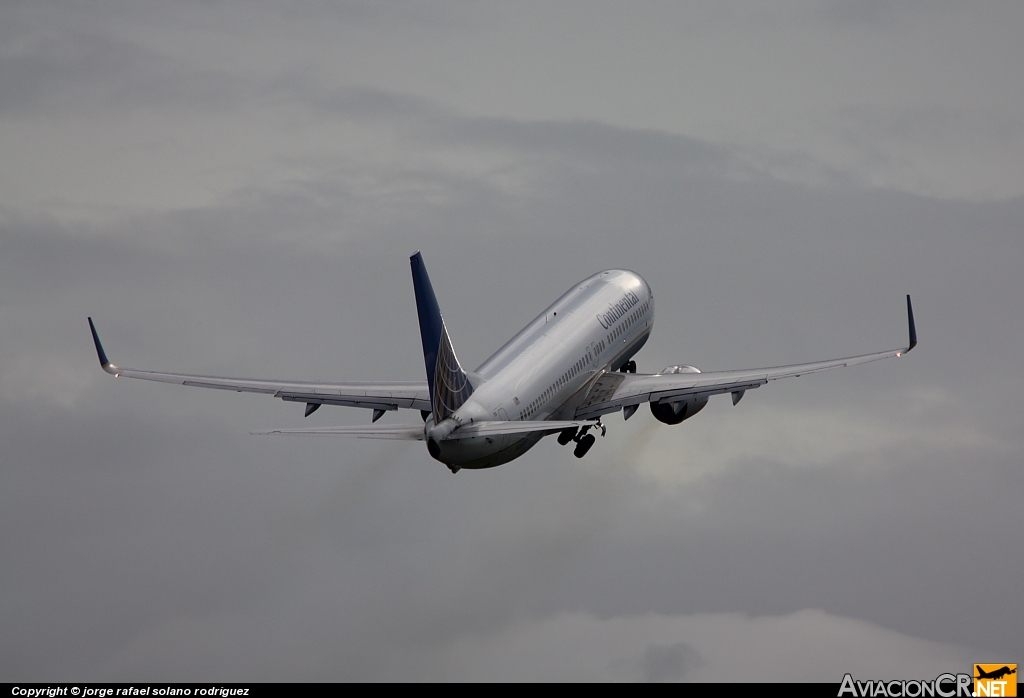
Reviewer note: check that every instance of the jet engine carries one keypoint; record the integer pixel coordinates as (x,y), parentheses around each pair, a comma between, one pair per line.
(675,411)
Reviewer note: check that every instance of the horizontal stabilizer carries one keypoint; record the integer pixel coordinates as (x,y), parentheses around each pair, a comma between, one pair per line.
(471,431)
(396,432)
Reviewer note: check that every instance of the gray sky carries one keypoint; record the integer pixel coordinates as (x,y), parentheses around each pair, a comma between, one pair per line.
(235,189)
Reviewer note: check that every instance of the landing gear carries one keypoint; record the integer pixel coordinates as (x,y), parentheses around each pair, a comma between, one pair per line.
(583,440)
(628,367)
(566,436)
(584,445)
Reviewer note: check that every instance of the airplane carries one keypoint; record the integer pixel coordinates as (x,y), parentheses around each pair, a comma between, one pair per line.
(560,374)
(995,673)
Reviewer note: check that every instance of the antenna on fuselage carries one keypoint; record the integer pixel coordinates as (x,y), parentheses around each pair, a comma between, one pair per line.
(449,384)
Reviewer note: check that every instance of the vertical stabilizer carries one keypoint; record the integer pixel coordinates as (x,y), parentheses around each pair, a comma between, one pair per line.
(449,385)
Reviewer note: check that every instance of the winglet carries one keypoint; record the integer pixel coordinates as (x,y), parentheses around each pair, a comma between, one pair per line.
(104,361)
(910,323)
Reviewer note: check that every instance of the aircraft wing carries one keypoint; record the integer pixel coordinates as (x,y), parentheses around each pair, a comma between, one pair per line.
(376,396)
(614,391)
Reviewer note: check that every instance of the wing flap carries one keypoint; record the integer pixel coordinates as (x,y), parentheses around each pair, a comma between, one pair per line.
(385,401)
(215,386)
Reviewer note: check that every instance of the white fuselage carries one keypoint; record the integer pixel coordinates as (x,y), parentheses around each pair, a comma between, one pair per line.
(546,370)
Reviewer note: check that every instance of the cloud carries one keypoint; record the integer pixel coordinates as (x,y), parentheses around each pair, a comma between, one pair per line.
(799,438)
(669,662)
(805,646)
(808,645)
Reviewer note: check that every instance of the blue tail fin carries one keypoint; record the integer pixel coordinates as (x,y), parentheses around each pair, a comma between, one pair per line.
(449,385)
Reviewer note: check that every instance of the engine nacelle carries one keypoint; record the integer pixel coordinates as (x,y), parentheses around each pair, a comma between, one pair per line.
(679,369)
(676,411)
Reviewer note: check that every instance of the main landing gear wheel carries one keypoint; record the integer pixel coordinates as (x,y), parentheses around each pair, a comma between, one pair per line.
(584,445)
(628,367)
